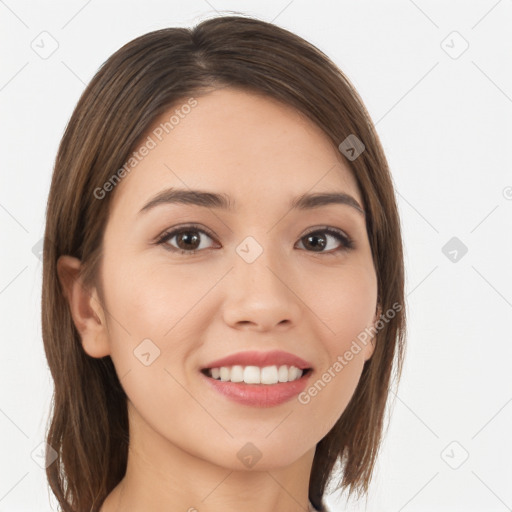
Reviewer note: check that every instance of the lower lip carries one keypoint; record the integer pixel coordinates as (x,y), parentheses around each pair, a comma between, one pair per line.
(259,395)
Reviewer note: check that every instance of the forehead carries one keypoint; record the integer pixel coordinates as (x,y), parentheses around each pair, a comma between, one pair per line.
(245,145)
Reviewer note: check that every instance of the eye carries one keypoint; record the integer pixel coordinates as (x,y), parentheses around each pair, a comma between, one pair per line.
(317,240)
(188,240)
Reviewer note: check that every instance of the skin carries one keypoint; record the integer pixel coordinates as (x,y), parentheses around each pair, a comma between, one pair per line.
(184,436)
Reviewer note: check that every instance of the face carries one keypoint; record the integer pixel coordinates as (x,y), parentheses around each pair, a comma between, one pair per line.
(260,276)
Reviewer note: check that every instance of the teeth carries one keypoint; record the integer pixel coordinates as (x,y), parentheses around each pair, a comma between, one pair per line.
(255,374)
(252,375)
(237,374)
(282,374)
(269,375)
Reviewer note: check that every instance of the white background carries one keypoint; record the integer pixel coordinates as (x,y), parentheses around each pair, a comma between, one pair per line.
(446,127)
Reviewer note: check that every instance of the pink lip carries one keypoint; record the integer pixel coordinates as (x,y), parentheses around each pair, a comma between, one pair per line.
(261,359)
(259,395)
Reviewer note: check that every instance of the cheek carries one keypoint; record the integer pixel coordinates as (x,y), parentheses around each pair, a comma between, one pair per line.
(145,332)
(346,305)
(149,300)
(330,391)
(155,312)
(345,301)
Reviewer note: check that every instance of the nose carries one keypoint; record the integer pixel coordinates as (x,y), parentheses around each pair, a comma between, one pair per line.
(260,296)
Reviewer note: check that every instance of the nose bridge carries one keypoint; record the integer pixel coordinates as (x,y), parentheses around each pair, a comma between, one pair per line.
(259,264)
(260,291)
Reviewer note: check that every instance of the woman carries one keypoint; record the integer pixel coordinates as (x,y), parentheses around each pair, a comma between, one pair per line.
(223,278)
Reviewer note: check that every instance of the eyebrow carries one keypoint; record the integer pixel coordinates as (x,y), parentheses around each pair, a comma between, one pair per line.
(225,202)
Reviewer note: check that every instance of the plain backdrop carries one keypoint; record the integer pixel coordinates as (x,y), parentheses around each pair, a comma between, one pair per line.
(436,78)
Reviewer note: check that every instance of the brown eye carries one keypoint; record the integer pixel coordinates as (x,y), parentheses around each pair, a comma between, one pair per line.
(317,241)
(188,239)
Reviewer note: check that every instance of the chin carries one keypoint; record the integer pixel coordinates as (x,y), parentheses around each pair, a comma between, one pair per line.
(258,456)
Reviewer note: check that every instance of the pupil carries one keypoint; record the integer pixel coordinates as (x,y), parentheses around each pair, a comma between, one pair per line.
(186,236)
(321,244)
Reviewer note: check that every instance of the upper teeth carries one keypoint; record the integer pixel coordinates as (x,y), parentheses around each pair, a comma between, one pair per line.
(256,375)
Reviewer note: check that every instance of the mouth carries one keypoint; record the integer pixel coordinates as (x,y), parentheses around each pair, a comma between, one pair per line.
(258,379)
(253,386)
(254,375)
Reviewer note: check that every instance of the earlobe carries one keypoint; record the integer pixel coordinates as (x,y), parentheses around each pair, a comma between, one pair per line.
(85,307)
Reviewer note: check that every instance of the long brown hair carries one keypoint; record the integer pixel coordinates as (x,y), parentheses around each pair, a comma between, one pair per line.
(88,424)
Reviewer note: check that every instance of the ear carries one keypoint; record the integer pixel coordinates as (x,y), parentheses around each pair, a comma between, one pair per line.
(85,306)
(370,348)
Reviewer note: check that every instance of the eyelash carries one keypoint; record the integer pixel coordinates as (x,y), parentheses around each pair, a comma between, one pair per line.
(347,243)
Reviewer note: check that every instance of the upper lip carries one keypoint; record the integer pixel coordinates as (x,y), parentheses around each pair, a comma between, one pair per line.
(261,359)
